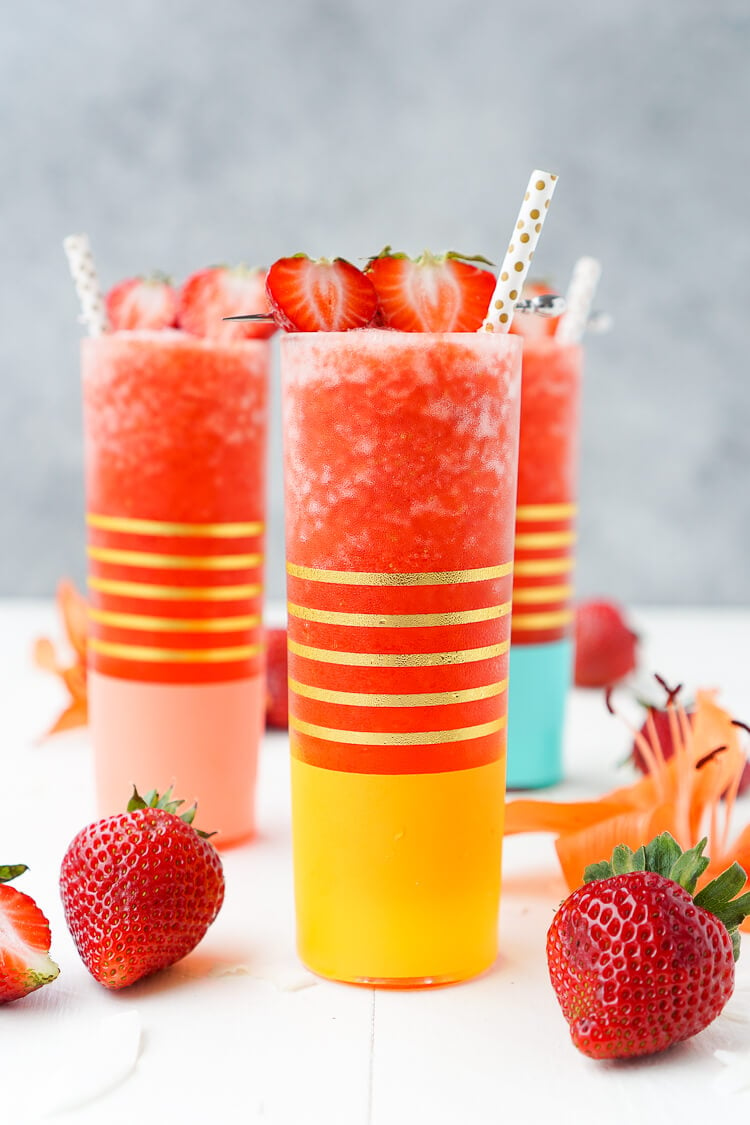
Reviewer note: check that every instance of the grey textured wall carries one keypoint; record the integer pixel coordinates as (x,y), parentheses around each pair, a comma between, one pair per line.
(180,133)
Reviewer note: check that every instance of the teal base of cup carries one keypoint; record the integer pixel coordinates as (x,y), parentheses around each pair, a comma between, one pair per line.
(539,683)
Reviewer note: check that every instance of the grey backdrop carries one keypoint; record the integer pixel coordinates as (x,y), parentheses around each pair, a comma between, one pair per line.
(180,133)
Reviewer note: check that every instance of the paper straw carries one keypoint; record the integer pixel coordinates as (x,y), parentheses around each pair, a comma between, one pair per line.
(520,252)
(578,301)
(83,271)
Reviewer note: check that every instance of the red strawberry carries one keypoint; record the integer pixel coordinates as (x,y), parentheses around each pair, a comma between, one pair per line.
(212,294)
(636,960)
(139,890)
(277,691)
(309,295)
(431,293)
(142,302)
(530,325)
(25,963)
(605,645)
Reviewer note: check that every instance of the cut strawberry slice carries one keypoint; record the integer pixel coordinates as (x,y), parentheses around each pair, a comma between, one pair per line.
(142,302)
(309,295)
(529,325)
(431,293)
(221,291)
(25,964)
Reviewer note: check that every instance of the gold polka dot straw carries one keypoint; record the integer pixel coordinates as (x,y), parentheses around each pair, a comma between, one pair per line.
(578,300)
(520,251)
(83,271)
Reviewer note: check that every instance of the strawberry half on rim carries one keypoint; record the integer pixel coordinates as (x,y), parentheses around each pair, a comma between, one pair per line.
(432,293)
(212,295)
(319,295)
(142,302)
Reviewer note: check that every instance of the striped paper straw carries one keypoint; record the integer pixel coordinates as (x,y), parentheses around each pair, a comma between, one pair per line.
(578,301)
(520,252)
(83,271)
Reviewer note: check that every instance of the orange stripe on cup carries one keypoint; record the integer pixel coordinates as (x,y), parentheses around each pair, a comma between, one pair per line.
(427,659)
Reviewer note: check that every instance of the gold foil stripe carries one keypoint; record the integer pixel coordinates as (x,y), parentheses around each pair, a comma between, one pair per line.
(396,738)
(533,595)
(398,659)
(147,654)
(383,578)
(546,511)
(417,699)
(542,620)
(391,620)
(173,562)
(538,568)
(131,526)
(174,624)
(152,592)
(543,539)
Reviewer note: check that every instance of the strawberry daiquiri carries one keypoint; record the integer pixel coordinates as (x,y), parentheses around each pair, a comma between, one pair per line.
(541,653)
(175,439)
(400,470)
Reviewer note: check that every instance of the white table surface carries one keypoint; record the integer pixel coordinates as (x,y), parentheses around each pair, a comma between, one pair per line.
(240,1031)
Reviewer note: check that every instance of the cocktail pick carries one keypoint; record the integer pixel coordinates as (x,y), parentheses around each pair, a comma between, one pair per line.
(579,298)
(520,251)
(83,271)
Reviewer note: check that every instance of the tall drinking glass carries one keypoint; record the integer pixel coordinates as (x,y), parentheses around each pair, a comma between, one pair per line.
(175,441)
(541,651)
(400,467)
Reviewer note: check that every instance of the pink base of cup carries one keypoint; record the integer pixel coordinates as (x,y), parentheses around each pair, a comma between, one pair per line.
(201,738)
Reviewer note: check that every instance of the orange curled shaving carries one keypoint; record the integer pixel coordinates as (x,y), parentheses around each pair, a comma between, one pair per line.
(73,610)
(682,795)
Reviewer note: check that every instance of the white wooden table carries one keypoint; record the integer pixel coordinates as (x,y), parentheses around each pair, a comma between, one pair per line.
(239,1031)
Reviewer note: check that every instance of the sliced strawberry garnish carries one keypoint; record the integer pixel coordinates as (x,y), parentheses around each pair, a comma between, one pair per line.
(431,293)
(220,291)
(530,325)
(309,295)
(142,302)
(25,964)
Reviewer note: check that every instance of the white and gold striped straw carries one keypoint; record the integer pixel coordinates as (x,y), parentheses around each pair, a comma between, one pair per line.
(520,251)
(578,300)
(83,271)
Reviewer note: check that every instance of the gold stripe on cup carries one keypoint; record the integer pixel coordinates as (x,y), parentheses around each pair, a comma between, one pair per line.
(417,699)
(390,620)
(534,595)
(173,562)
(147,654)
(534,568)
(396,738)
(398,659)
(150,591)
(542,620)
(385,578)
(541,512)
(544,539)
(130,526)
(174,624)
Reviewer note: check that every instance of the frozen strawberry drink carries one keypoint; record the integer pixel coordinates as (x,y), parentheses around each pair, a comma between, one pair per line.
(541,653)
(400,469)
(175,433)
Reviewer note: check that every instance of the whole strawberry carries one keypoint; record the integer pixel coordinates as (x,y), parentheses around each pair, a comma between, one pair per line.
(25,963)
(637,961)
(605,645)
(140,889)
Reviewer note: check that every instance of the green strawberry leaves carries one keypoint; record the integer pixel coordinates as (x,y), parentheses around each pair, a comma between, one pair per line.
(11,871)
(664,856)
(154,800)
